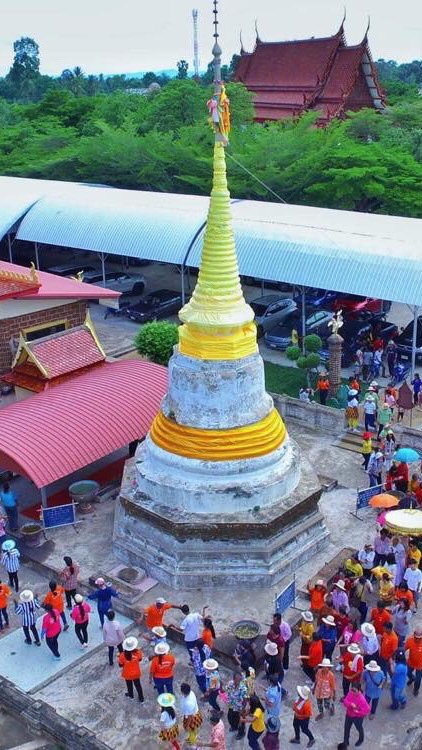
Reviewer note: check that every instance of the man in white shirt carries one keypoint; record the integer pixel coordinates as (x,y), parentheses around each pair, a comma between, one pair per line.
(191,626)
(413,578)
(366,559)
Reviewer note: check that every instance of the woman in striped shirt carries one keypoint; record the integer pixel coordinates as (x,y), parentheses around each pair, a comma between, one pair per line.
(10,561)
(69,578)
(27,610)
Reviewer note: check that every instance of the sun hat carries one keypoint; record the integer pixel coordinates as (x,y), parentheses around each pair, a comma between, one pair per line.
(270,648)
(161,600)
(340,585)
(78,598)
(367,629)
(165,700)
(273,724)
(159,631)
(372,666)
(353,392)
(100,582)
(303,691)
(8,545)
(319,582)
(161,649)
(329,620)
(26,596)
(418,632)
(353,648)
(379,454)
(210,664)
(307,616)
(130,644)
(325,663)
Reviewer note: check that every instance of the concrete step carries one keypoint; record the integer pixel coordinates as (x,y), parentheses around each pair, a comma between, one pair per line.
(38,744)
(352,441)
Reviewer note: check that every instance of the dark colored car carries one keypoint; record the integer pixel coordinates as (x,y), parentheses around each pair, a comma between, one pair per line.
(353,331)
(404,342)
(159,304)
(279,337)
(354,305)
(324,298)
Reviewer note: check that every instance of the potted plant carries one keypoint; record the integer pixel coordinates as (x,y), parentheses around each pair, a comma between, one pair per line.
(32,533)
(83,493)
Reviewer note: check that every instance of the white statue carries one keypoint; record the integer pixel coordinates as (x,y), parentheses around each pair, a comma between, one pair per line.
(336,322)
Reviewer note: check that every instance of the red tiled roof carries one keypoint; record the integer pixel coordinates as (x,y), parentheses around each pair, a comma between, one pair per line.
(28,376)
(55,433)
(343,72)
(15,289)
(67,351)
(57,287)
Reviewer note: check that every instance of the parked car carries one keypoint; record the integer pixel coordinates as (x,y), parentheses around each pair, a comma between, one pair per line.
(354,305)
(353,331)
(279,337)
(404,342)
(72,269)
(271,309)
(118,281)
(324,298)
(268,283)
(159,304)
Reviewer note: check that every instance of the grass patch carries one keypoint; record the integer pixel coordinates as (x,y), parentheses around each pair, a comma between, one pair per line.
(284,380)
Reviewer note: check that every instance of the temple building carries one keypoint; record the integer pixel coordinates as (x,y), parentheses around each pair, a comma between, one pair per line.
(324,75)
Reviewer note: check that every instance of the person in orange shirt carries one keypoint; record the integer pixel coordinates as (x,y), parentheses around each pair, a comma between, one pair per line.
(414,660)
(402,592)
(313,658)
(4,600)
(208,633)
(352,667)
(153,615)
(379,616)
(131,672)
(161,671)
(55,597)
(302,708)
(317,594)
(389,644)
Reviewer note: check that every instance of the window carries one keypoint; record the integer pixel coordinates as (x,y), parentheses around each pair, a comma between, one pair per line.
(45,329)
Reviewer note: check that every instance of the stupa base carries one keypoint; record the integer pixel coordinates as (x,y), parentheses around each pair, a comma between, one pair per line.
(187,550)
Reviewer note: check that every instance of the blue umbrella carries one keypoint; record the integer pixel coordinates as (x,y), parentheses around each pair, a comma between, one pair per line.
(408,455)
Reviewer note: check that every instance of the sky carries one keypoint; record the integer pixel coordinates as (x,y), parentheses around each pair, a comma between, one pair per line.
(139,35)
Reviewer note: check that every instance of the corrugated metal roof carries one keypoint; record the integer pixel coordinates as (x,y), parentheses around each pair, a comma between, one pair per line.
(367,254)
(52,434)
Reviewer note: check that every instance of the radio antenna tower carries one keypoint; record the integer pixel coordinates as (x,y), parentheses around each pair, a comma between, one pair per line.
(195,43)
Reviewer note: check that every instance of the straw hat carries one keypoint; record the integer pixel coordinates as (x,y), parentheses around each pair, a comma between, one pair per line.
(303,691)
(353,648)
(8,545)
(319,582)
(340,585)
(329,620)
(161,649)
(367,629)
(100,582)
(130,644)
(166,699)
(161,600)
(210,665)
(270,648)
(307,616)
(372,666)
(325,663)
(78,598)
(26,596)
(159,631)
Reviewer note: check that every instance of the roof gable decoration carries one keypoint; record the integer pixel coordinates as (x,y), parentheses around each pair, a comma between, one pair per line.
(15,284)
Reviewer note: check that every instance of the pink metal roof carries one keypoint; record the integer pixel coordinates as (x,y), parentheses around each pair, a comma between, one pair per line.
(54,433)
(57,287)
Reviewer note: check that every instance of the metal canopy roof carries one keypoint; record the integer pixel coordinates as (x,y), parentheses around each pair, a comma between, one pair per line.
(367,254)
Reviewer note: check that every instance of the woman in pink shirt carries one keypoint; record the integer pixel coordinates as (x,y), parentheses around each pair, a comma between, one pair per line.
(357,707)
(51,629)
(218,734)
(80,616)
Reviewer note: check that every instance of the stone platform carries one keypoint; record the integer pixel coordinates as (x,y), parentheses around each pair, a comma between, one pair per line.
(258,546)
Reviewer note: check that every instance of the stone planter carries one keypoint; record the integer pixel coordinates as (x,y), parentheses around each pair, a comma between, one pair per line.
(32,533)
(83,493)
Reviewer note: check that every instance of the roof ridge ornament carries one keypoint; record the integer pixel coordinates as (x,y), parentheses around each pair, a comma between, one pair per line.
(32,278)
(365,38)
(242,49)
(258,39)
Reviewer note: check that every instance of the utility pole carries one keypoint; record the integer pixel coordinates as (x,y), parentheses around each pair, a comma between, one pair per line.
(195,43)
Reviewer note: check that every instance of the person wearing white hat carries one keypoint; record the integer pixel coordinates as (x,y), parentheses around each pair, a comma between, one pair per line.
(169,731)
(352,667)
(306,630)
(27,611)
(80,616)
(374,681)
(161,671)
(302,708)
(129,660)
(153,614)
(103,595)
(327,632)
(375,466)
(352,410)
(370,643)
(325,688)
(10,561)
(213,682)
(340,597)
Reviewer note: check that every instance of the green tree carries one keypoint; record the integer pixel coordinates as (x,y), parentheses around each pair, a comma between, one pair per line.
(25,70)
(156,341)
(180,103)
(149,78)
(182,69)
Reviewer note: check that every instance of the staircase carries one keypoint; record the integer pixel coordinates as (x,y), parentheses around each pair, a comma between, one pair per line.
(352,441)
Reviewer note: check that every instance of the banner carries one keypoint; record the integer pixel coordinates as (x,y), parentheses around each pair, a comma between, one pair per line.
(59,515)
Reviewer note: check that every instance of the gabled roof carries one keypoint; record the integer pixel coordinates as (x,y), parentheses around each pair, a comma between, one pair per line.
(44,362)
(18,284)
(56,287)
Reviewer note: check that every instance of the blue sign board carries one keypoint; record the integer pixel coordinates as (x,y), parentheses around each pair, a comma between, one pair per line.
(286,598)
(364,496)
(60,515)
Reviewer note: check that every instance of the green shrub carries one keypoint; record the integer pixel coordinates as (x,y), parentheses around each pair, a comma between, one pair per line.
(312,343)
(293,353)
(156,341)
